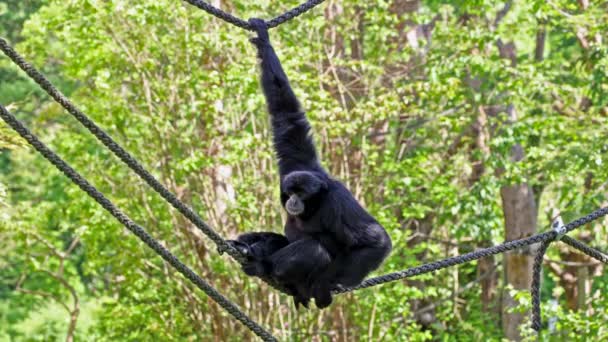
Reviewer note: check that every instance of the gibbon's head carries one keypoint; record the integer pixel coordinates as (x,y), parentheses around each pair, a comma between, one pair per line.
(300,186)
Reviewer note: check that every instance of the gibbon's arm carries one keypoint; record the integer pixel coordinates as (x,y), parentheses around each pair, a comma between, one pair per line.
(292,141)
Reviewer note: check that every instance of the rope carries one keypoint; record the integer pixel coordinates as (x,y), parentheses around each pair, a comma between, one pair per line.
(139,231)
(592,252)
(452,261)
(292,13)
(120,152)
(229,18)
(537,268)
(544,238)
(478,254)
(535,287)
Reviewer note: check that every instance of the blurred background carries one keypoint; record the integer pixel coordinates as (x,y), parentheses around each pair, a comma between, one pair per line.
(458,124)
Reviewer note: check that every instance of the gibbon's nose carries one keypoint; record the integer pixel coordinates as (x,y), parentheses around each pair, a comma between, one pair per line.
(294,205)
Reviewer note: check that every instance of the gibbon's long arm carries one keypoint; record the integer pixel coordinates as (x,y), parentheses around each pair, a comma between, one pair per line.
(292,141)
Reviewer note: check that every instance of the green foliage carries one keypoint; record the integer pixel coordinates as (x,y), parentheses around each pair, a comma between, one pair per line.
(393,118)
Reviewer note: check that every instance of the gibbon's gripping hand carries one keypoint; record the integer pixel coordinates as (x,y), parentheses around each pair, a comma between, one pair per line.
(261,28)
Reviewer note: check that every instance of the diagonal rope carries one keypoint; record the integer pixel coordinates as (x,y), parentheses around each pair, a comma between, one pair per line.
(292,13)
(120,152)
(128,159)
(592,252)
(139,231)
(544,238)
(229,18)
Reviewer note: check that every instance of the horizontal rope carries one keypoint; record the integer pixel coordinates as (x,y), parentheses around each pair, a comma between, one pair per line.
(139,231)
(475,255)
(544,238)
(229,18)
(452,261)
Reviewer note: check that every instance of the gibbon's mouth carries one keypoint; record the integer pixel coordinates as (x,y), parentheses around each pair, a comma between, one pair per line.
(294,205)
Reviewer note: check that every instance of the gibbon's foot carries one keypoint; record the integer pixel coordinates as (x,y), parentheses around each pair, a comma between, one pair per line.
(261,28)
(297,300)
(241,247)
(322,294)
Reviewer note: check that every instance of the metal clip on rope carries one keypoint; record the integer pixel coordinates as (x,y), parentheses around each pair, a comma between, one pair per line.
(559,228)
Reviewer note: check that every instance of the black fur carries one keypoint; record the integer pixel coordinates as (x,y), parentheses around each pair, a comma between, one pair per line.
(334,241)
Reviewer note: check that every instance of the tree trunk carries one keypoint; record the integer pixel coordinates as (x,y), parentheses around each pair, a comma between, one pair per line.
(477,155)
(488,284)
(520,214)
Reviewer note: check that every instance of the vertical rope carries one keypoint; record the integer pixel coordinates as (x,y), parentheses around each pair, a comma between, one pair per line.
(535,288)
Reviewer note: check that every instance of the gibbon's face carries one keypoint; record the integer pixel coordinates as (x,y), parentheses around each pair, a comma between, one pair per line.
(294,205)
(300,186)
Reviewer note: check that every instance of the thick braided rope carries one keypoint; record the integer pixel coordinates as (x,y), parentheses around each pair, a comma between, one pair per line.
(139,231)
(537,268)
(592,252)
(229,18)
(294,12)
(452,261)
(535,287)
(482,253)
(120,152)
(586,219)
(218,13)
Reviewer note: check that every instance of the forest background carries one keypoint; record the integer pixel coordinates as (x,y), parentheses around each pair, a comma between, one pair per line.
(458,124)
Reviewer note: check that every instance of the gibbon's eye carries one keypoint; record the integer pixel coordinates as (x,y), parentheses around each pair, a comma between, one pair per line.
(295,190)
